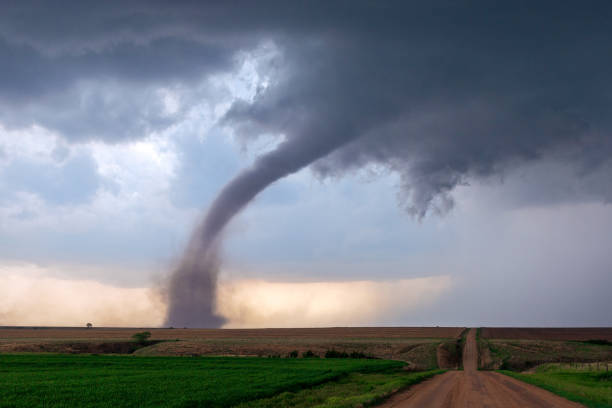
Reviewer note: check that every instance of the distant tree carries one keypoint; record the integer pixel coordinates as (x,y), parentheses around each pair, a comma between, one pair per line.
(89,325)
(142,337)
(336,354)
(293,354)
(309,354)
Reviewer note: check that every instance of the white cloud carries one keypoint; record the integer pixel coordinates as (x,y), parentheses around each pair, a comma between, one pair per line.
(33,142)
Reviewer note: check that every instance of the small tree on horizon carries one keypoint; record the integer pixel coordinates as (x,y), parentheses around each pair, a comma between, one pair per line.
(89,325)
(142,337)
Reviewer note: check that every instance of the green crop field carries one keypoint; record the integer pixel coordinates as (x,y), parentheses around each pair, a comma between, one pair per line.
(352,390)
(31,380)
(590,387)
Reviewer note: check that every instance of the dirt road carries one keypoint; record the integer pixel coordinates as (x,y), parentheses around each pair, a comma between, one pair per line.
(476,389)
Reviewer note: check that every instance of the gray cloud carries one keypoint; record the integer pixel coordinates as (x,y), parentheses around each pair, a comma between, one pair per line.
(440,93)
(445,97)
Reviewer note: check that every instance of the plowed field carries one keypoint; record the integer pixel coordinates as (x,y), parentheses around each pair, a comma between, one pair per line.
(417,346)
(120,334)
(534,333)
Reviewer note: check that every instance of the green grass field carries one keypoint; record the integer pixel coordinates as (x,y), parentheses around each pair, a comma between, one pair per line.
(591,388)
(352,390)
(31,380)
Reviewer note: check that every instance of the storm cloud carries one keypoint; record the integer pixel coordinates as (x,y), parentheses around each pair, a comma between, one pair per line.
(441,94)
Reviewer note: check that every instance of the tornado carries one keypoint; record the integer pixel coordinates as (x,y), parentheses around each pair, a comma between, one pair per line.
(192,285)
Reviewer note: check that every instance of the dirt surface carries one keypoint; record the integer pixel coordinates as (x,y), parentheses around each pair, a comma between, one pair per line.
(476,389)
(415,345)
(535,333)
(118,334)
(521,355)
(125,347)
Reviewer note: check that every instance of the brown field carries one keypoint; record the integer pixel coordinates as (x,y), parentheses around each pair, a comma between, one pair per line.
(579,334)
(119,334)
(521,349)
(422,347)
(520,355)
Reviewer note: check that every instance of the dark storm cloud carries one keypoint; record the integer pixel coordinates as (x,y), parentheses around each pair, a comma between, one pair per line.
(440,92)
(447,94)
(91,71)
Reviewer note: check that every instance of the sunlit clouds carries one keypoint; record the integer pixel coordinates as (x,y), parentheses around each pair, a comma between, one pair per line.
(30,295)
(253,303)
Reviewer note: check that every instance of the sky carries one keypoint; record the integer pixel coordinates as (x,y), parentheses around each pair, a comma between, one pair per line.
(432,164)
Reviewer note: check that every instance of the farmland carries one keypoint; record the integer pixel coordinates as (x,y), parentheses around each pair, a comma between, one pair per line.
(521,349)
(581,383)
(556,334)
(353,390)
(123,381)
(418,346)
(180,370)
(101,367)
(117,334)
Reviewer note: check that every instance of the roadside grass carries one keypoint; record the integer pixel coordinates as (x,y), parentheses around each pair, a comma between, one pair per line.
(449,355)
(419,352)
(421,356)
(521,355)
(591,388)
(34,380)
(352,390)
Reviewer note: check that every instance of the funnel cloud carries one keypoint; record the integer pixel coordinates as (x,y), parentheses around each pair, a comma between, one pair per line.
(192,287)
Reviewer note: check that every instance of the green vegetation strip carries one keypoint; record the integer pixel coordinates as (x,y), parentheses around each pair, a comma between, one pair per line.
(33,380)
(353,390)
(591,388)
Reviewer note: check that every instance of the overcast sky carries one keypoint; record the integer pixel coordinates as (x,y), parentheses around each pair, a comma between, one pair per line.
(459,152)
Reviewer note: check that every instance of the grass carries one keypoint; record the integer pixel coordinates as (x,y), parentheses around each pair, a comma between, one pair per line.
(421,353)
(591,388)
(520,355)
(353,390)
(32,380)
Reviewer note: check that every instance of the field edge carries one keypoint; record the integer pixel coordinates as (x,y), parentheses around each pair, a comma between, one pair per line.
(555,390)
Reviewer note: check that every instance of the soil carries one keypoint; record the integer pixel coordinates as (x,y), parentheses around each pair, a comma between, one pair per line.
(448,355)
(123,347)
(415,345)
(486,361)
(473,388)
(521,355)
(117,334)
(536,333)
